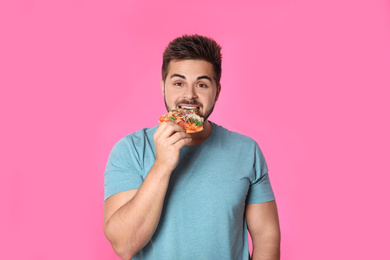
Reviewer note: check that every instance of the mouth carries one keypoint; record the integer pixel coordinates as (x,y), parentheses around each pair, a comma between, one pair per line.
(189,106)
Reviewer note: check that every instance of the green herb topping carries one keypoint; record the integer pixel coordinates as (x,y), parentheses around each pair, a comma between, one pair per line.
(173,119)
(197,122)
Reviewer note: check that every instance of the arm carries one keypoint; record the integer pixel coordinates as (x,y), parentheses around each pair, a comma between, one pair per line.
(263,225)
(131,217)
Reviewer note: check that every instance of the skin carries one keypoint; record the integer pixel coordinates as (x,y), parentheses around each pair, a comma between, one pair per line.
(191,83)
(131,217)
(263,226)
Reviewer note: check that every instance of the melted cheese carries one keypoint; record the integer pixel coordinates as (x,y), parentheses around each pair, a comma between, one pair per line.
(195,116)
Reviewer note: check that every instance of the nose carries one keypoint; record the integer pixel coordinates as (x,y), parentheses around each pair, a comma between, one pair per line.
(190,93)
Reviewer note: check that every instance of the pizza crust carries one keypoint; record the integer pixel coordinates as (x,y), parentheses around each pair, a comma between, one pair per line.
(194,131)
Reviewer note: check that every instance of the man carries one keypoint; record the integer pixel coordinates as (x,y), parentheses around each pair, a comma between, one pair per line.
(174,195)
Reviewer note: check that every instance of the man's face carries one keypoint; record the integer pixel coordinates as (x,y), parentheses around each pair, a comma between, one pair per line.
(190,83)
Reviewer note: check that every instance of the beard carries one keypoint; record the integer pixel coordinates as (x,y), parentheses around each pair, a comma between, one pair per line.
(205,115)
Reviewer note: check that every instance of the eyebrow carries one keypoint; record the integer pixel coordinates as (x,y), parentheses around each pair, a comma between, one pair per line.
(204,77)
(198,78)
(178,75)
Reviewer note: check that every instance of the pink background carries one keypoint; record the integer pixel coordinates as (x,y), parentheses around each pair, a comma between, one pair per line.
(309,80)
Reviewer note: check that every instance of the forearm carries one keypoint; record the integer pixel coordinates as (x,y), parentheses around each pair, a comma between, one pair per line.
(267,248)
(131,226)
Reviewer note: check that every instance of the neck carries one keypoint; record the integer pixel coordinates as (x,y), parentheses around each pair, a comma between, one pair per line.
(202,135)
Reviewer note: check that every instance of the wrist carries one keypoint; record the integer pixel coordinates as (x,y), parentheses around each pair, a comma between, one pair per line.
(162,169)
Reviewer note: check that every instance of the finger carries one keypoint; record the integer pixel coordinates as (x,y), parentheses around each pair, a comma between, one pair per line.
(160,129)
(180,143)
(163,129)
(170,129)
(176,137)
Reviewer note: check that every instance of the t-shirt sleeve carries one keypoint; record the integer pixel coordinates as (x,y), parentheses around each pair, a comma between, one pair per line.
(260,189)
(123,171)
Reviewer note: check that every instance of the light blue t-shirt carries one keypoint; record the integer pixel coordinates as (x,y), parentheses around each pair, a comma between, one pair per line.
(203,212)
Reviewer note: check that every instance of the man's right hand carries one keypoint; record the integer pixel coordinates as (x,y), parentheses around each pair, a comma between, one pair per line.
(168,140)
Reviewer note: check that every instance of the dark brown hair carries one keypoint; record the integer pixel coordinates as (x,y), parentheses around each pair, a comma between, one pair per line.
(195,47)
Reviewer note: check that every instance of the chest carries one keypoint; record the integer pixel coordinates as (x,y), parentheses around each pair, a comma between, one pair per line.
(212,183)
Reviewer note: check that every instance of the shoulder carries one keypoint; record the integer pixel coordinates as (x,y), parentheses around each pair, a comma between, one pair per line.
(234,137)
(135,140)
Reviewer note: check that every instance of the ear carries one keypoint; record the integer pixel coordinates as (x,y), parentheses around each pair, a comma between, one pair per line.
(162,83)
(218,91)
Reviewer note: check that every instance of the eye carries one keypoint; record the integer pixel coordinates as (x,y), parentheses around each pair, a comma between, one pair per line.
(201,85)
(179,84)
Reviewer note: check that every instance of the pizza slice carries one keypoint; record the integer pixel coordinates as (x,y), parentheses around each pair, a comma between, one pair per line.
(188,118)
